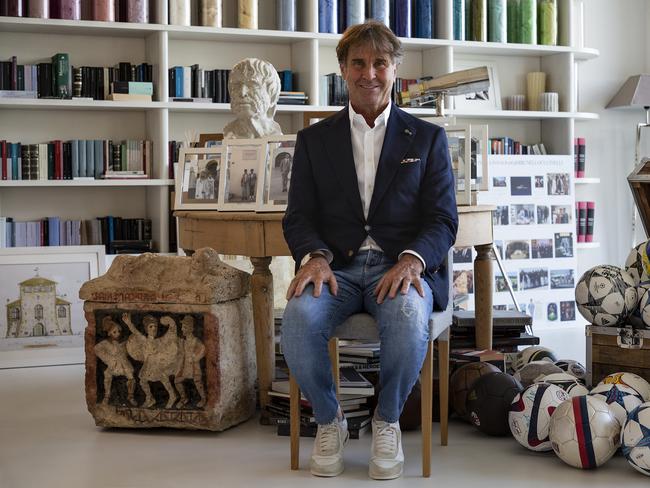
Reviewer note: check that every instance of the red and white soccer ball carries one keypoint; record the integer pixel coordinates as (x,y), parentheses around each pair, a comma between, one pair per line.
(632,380)
(567,382)
(530,415)
(620,398)
(636,439)
(584,432)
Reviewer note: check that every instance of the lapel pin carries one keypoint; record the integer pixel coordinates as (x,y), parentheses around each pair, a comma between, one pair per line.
(408,132)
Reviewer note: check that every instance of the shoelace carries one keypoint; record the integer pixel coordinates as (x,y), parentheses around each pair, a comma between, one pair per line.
(386,439)
(328,439)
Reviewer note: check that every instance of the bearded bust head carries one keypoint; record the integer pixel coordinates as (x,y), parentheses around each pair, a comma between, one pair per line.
(254,87)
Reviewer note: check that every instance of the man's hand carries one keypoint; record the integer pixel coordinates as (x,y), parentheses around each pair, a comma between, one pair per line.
(405,273)
(317,271)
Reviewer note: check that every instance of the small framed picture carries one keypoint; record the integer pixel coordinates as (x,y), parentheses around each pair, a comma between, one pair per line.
(273,195)
(210,140)
(481,101)
(197,179)
(469,161)
(243,160)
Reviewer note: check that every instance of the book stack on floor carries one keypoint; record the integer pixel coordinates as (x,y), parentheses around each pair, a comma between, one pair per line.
(509,330)
(362,356)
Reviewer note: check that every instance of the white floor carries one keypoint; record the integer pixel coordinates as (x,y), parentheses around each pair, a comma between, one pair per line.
(48,439)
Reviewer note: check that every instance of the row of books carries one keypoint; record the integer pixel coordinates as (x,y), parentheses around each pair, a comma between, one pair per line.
(119,10)
(585,218)
(579,156)
(333,90)
(116,233)
(507,145)
(67,160)
(405,18)
(192,83)
(58,79)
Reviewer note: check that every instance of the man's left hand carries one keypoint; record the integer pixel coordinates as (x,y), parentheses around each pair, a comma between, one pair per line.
(405,273)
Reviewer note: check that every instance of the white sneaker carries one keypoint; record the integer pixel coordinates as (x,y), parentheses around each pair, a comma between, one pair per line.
(387,458)
(327,455)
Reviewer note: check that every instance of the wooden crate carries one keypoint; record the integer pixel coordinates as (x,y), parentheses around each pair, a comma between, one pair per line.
(611,349)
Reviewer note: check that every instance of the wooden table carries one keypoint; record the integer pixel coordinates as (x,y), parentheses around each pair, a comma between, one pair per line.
(259,236)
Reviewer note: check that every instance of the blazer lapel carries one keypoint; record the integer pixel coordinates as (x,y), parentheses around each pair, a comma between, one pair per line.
(338,144)
(397,140)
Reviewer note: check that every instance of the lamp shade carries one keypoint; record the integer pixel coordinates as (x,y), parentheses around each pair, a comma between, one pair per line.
(634,93)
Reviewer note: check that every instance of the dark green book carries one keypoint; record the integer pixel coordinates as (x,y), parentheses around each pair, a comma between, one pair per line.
(61,80)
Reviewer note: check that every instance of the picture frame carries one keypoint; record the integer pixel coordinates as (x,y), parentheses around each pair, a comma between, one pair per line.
(478,102)
(43,322)
(241,156)
(469,161)
(273,194)
(210,140)
(197,179)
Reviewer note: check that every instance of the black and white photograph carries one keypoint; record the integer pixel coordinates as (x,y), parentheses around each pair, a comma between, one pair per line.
(567,311)
(199,184)
(499,247)
(500,282)
(462,255)
(562,278)
(499,182)
(543,213)
(563,245)
(522,214)
(539,181)
(242,174)
(520,186)
(517,249)
(551,312)
(463,282)
(500,215)
(530,278)
(558,183)
(561,214)
(541,248)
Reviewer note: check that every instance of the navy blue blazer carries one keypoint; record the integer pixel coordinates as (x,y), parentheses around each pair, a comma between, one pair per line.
(413,204)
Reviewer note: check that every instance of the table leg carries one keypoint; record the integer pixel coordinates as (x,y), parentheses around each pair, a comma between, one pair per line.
(483,289)
(262,292)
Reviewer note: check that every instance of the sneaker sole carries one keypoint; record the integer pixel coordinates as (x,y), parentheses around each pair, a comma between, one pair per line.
(377,473)
(329,471)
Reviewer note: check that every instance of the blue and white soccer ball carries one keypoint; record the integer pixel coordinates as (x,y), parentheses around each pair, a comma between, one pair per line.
(572,367)
(637,264)
(606,295)
(620,398)
(635,442)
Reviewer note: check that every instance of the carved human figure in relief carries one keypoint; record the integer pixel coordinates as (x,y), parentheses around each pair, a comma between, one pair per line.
(190,352)
(254,87)
(157,354)
(112,353)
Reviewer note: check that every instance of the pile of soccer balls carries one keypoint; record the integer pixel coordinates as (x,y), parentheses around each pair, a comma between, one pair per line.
(557,412)
(610,296)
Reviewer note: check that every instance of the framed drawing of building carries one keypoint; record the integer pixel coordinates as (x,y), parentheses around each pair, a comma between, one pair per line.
(42,320)
(243,159)
(272,196)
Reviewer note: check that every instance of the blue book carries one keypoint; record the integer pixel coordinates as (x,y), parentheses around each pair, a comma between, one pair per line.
(90,158)
(15,162)
(459,20)
(403,18)
(327,16)
(179,81)
(75,158)
(99,158)
(380,10)
(111,229)
(423,18)
(82,158)
(53,231)
(286,15)
(20,235)
(355,12)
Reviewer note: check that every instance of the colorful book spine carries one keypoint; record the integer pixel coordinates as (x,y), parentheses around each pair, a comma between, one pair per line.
(247,14)
(479,20)
(103,10)
(327,16)
(403,18)
(380,10)
(591,210)
(423,19)
(180,12)
(459,20)
(212,13)
(70,9)
(582,148)
(61,75)
(497,21)
(582,221)
(355,12)
(137,11)
(514,21)
(575,157)
(39,9)
(547,22)
(286,15)
(15,8)
(528,22)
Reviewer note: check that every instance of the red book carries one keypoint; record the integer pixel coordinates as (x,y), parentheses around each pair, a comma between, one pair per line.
(58,160)
(582,221)
(591,210)
(3,155)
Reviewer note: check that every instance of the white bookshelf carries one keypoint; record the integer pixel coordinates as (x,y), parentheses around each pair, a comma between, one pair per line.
(587,181)
(306,52)
(588,245)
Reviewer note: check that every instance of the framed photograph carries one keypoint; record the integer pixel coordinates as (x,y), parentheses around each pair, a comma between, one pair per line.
(42,321)
(479,101)
(243,160)
(469,161)
(197,178)
(210,140)
(272,196)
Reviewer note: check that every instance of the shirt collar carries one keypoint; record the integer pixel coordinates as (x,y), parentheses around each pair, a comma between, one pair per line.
(381,117)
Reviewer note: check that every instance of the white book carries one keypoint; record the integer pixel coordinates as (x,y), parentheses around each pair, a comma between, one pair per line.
(187,81)
(42,161)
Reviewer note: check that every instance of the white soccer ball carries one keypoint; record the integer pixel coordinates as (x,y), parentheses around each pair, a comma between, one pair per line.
(635,440)
(583,432)
(606,295)
(567,382)
(530,415)
(533,353)
(637,265)
(572,367)
(535,370)
(643,309)
(620,398)
(632,380)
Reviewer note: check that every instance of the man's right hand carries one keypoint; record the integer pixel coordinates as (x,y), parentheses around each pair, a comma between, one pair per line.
(317,271)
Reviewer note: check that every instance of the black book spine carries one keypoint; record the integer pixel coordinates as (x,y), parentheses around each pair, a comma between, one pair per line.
(50,161)
(67,160)
(21,77)
(172,82)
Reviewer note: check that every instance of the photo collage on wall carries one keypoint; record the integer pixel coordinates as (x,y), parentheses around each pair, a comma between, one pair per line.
(534,234)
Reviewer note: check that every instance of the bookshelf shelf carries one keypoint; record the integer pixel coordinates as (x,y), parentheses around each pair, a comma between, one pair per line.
(56,104)
(587,245)
(78,28)
(72,183)
(587,181)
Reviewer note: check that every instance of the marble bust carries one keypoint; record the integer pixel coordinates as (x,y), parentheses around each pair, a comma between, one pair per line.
(254,88)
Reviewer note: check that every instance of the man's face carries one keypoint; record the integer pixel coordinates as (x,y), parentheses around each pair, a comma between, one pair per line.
(370,76)
(248,98)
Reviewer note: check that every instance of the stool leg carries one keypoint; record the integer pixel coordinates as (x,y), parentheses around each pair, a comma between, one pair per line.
(426,407)
(294,421)
(443,368)
(333,347)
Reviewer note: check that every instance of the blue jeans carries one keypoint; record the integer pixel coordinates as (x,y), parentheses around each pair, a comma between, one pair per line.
(403,324)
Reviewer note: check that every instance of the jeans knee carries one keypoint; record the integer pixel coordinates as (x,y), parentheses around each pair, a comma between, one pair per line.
(407,315)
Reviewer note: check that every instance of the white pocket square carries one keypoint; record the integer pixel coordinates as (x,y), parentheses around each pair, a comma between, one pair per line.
(409,160)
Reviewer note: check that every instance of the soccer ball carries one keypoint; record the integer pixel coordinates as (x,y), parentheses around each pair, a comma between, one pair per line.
(632,380)
(620,398)
(530,415)
(643,310)
(568,383)
(533,353)
(574,368)
(636,439)
(583,432)
(462,380)
(638,264)
(606,295)
(535,369)
(488,402)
